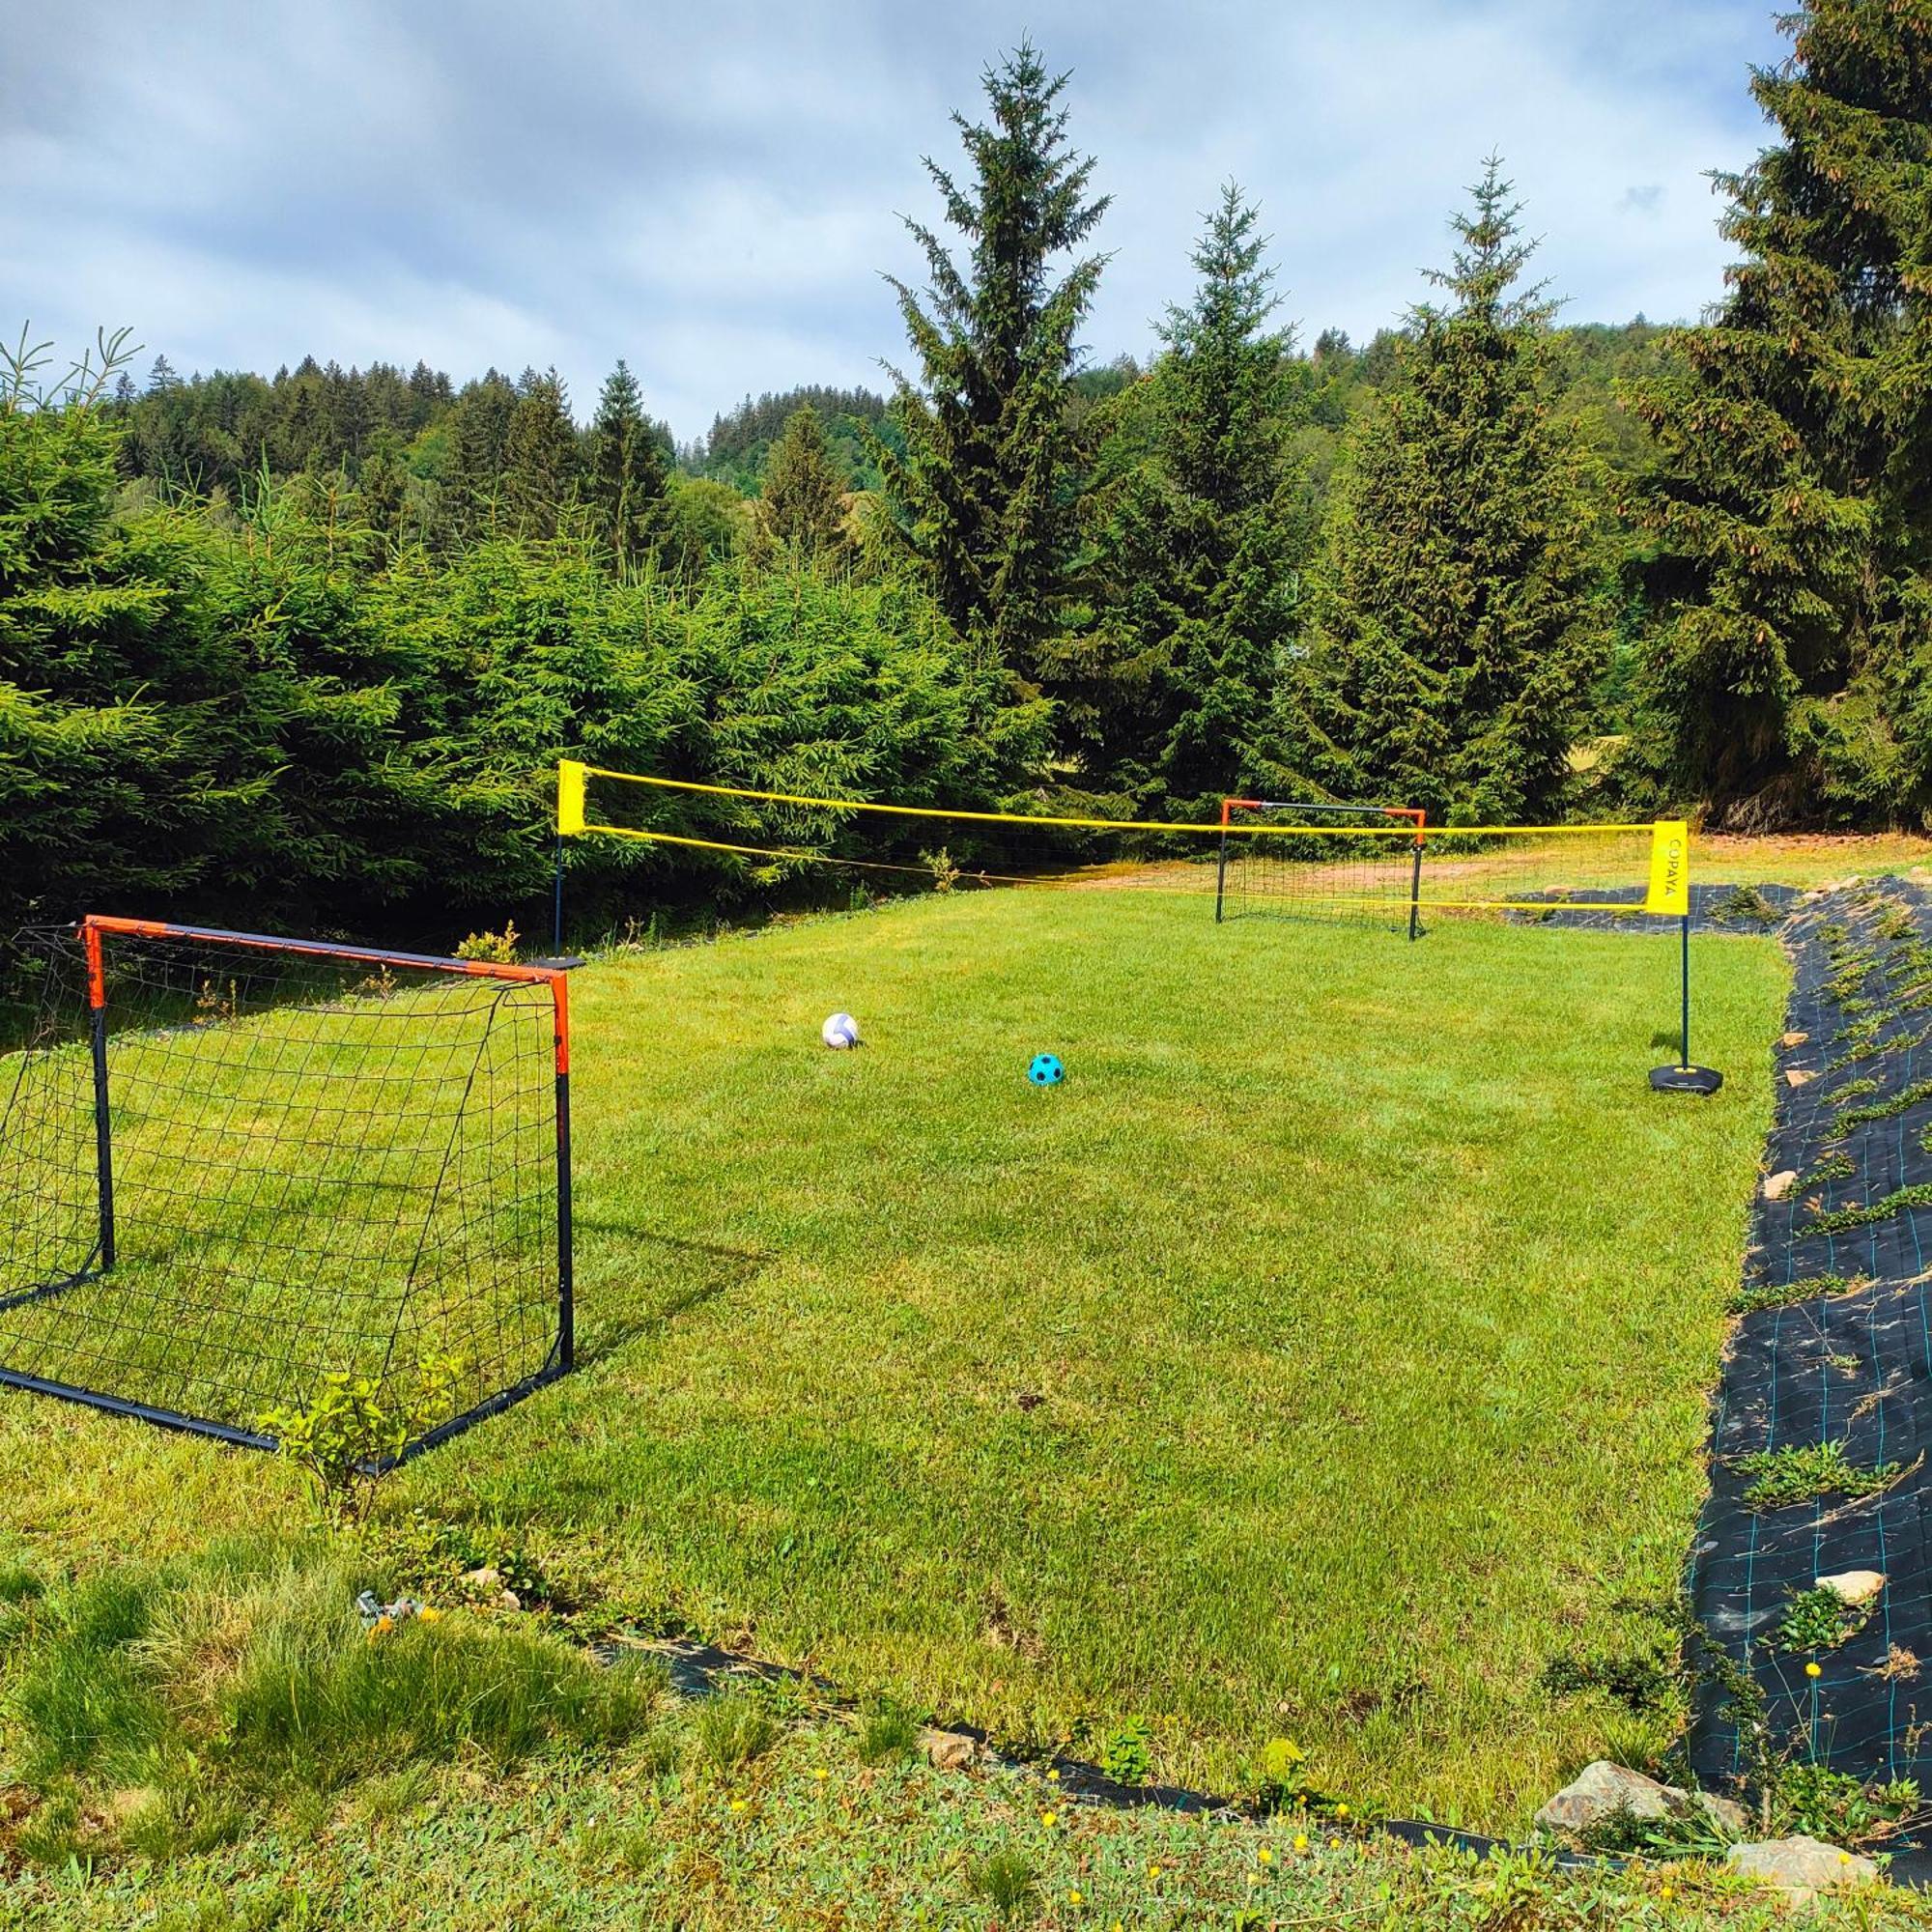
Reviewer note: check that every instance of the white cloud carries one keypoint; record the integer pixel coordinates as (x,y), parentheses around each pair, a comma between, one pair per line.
(713,193)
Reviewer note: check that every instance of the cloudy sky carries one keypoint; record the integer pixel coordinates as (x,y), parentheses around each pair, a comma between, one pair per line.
(711,190)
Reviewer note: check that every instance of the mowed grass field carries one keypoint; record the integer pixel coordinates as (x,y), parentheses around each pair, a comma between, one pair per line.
(1329,1353)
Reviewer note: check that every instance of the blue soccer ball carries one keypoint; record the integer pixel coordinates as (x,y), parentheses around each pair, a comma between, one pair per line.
(1045,1071)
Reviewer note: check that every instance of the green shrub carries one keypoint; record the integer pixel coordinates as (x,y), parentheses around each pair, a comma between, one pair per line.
(1128,1755)
(1820,1620)
(1797,1473)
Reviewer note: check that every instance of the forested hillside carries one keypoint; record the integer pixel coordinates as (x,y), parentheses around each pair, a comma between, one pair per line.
(309,644)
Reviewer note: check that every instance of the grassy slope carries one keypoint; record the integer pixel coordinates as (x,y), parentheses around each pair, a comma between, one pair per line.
(811,1837)
(1371,1297)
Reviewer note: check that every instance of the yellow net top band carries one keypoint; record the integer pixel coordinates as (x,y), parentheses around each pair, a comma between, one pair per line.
(574,786)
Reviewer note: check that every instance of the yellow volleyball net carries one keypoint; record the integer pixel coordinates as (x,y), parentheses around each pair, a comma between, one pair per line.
(1258,856)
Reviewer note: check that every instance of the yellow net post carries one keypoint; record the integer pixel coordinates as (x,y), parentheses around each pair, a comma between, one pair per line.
(1669,895)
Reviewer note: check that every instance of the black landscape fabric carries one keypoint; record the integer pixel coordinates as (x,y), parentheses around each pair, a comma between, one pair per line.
(1840,1235)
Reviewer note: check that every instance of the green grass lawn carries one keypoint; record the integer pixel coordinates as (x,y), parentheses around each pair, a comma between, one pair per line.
(1329,1353)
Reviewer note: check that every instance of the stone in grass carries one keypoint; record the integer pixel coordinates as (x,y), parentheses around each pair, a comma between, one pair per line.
(1797,1076)
(1792,1038)
(948,1750)
(1854,1586)
(1778,1185)
(1603,1790)
(1799,1867)
(486,1586)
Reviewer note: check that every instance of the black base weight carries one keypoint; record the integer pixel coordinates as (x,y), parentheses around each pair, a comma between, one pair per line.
(1685,1079)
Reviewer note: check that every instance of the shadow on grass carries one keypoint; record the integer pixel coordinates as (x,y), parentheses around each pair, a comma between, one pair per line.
(675,1278)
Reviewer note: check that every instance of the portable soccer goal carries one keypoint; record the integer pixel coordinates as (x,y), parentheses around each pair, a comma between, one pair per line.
(232,1166)
(1378,877)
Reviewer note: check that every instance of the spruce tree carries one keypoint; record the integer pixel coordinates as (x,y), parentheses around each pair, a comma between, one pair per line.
(984,493)
(540,457)
(483,415)
(1458,637)
(628,475)
(1201,541)
(802,505)
(1791,504)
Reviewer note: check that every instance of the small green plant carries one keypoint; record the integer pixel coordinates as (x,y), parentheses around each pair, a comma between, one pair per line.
(1128,1755)
(886,1731)
(1837,1165)
(1837,1807)
(1281,1780)
(1879,1110)
(734,1730)
(1800,1472)
(1005,1881)
(499,949)
(1744,905)
(1820,1619)
(945,872)
(351,1432)
(1788,1294)
(1840,1219)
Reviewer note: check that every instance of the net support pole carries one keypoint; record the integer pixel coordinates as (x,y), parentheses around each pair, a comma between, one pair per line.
(566,1298)
(1684,985)
(104,1132)
(1670,893)
(1415,889)
(1221,864)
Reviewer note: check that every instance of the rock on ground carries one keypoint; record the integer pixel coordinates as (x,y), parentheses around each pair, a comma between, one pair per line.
(1799,1867)
(1603,1790)
(1854,1586)
(948,1750)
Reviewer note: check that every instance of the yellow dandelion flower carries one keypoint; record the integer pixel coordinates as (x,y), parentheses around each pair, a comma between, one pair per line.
(1153,1871)
(1302,1842)
(429,1614)
(1053,1777)
(1265,1857)
(1049,1819)
(1341,1810)
(822,1773)
(1815,1669)
(1666,1892)
(737,1803)
(1334,1843)
(1074,1897)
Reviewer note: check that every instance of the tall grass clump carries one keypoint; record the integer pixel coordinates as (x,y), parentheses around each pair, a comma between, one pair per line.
(200,1690)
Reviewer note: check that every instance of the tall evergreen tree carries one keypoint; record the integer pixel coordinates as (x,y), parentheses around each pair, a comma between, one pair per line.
(801,506)
(984,493)
(1792,502)
(1202,538)
(628,475)
(1459,635)
(540,456)
(483,415)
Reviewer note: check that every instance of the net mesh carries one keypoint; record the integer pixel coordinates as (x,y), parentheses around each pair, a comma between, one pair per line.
(1316,859)
(318,1165)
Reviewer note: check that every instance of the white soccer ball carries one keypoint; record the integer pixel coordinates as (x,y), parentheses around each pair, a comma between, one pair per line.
(841,1030)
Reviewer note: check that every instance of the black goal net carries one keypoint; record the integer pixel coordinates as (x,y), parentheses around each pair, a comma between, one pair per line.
(233,1167)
